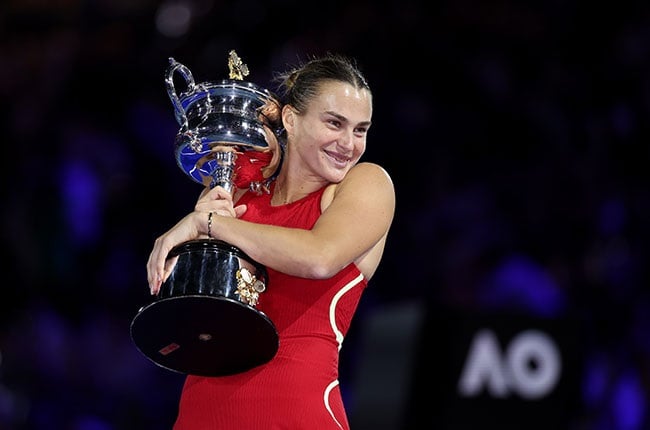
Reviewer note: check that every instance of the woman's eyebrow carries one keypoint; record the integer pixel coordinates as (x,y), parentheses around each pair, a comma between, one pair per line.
(344,119)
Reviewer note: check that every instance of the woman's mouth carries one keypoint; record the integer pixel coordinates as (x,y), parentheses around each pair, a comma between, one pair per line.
(338,159)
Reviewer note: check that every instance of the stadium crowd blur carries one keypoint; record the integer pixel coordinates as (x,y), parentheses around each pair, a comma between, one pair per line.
(516,133)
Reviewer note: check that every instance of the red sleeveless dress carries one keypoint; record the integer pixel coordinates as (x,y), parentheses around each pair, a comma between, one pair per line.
(298,389)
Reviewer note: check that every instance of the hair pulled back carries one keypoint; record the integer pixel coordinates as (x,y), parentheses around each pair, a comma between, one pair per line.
(298,85)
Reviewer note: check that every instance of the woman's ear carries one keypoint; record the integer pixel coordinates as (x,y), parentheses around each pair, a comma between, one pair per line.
(287,117)
(276,150)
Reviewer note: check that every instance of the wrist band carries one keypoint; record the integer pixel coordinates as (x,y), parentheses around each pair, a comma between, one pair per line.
(210,225)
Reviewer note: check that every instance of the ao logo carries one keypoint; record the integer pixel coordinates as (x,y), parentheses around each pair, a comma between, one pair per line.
(530,367)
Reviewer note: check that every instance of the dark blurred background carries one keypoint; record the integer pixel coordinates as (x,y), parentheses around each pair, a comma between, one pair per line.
(513,293)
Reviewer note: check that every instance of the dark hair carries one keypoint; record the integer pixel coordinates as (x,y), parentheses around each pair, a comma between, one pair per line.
(300,84)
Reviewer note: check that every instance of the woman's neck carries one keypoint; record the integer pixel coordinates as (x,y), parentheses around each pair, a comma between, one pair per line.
(287,191)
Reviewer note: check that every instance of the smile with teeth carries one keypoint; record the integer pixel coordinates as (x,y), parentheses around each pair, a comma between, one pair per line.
(337,157)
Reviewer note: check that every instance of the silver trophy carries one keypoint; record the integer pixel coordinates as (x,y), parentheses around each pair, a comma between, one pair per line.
(204,320)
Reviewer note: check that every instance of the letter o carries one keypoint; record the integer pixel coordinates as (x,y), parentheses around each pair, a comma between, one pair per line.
(533,345)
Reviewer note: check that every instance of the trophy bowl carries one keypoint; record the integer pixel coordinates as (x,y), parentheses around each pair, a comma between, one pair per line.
(216,115)
(204,319)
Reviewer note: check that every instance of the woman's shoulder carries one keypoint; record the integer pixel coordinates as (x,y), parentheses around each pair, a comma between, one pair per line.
(364,179)
(368,171)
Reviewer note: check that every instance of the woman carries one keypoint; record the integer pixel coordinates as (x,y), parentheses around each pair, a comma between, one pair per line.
(320,231)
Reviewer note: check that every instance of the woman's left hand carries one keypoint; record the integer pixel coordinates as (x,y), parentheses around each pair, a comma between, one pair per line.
(217,201)
(159,267)
(220,202)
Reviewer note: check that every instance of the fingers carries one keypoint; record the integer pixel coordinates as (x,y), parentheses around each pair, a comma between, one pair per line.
(170,263)
(216,200)
(219,192)
(219,202)
(156,265)
(186,229)
(221,208)
(216,193)
(240,210)
(159,267)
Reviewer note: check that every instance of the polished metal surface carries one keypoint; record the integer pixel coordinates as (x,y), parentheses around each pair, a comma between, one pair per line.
(204,319)
(201,321)
(216,117)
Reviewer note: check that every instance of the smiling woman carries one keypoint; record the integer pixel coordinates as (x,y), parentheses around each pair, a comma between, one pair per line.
(320,230)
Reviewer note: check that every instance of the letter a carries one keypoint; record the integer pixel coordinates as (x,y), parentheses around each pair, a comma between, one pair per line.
(484,367)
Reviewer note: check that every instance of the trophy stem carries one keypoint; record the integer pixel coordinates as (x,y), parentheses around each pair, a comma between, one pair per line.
(224,172)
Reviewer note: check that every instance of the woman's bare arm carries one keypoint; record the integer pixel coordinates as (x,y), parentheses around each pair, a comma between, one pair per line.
(357,214)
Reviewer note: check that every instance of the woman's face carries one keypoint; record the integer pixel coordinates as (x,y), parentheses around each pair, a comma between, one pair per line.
(330,136)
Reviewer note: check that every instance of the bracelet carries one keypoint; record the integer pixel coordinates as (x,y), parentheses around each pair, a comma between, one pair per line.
(210,225)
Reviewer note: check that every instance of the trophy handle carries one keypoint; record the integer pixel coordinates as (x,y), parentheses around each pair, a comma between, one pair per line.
(175,66)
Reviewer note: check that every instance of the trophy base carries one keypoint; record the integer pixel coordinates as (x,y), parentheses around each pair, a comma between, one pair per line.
(203,335)
(197,324)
